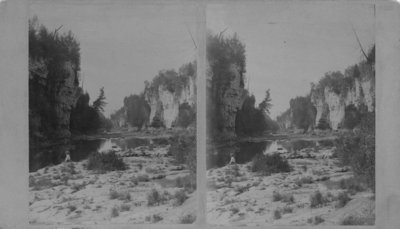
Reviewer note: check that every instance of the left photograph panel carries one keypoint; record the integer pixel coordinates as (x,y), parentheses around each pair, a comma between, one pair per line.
(112,113)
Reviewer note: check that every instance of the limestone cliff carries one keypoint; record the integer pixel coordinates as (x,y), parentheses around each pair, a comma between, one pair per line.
(225,99)
(357,90)
(166,99)
(51,99)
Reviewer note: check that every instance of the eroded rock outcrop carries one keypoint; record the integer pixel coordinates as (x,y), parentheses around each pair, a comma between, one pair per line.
(357,89)
(51,99)
(226,100)
(165,101)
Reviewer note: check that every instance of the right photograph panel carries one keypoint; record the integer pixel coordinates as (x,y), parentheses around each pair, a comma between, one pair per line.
(291,113)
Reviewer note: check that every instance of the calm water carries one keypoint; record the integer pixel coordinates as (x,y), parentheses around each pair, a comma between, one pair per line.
(245,151)
(81,149)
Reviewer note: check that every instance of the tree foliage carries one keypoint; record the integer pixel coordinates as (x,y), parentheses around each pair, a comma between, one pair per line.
(303,112)
(227,60)
(138,110)
(87,119)
(357,149)
(99,103)
(266,104)
(52,56)
(251,120)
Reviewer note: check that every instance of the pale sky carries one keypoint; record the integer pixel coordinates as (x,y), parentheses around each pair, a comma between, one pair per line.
(125,43)
(291,44)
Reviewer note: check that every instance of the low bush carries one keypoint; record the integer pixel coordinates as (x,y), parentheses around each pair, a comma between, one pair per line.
(304,180)
(186,182)
(154,218)
(180,197)
(317,200)
(287,209)
(277,214)
(188,219)
(125,207)
(268,164)
(114,212)
(143,178)
(71,208)
(352,185)
(154,197)
(315,220)
(105,162)
(119,195)
(356,220)
(183,150)
(343,199)
(234,210)
(287,198)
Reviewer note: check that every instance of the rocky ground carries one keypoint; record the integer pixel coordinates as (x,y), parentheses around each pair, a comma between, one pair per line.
(316,191)
(151,190)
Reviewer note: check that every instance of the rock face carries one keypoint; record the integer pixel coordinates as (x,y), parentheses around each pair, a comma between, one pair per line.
(224,101)
(65,99)
(360,92)
(165,103)
(51,99)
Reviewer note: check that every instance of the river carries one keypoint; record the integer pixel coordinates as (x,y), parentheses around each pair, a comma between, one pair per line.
(245,151)
(81,149)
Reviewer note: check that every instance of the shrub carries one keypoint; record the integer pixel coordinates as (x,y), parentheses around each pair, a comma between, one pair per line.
(343,198)
(317,220)
(188,219)
(119,195)
(186,182)
(358,150)
(352,185)
(114,212)
(304,180)
(288,198)
(153,198)
(277,214)
(234,210)
(186,115)
(154,218)
(323,124)
(317,200)
(287,209)
(143,178)
(180,197)
(71,208)
(125,207)
(268,164)
(276,196)
(105,162)
(183,150)
(356,220)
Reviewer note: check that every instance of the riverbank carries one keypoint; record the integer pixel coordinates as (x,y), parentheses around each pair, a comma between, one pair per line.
(317,191)
(153,189)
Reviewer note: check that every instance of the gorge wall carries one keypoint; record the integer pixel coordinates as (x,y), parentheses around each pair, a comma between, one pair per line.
(165,102)
(51,99)
(225,100)
(357,90)
(336,101)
